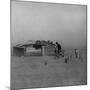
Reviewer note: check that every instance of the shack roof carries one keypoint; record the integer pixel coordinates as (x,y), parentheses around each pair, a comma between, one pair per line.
(25,44)
(31,42)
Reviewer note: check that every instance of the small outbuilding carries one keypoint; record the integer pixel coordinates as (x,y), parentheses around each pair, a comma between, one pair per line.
(38,48)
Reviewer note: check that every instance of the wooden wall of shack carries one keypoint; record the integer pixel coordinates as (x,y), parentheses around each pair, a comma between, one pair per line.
(18,51)
(21,51)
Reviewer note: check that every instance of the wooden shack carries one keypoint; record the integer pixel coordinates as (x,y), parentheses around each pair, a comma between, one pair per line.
(27,49)
(38,48)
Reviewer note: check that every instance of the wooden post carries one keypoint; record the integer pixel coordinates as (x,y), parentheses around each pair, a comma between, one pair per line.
(43,50)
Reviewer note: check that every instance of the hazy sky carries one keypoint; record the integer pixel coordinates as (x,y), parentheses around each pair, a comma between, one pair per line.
(45,21)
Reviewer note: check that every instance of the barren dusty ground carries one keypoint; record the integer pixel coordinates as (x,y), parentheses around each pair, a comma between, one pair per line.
(31,72)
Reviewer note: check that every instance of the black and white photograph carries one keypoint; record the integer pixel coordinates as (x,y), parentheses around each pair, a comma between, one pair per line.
(48,44)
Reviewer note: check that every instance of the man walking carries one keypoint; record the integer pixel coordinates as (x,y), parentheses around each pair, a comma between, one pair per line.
(57,49)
